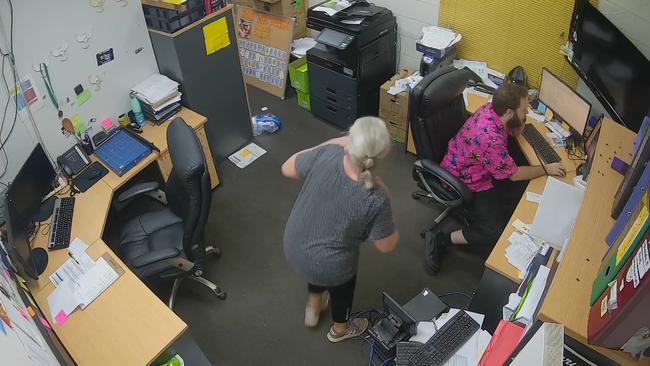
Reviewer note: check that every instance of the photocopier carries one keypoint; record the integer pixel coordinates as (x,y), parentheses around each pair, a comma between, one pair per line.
(355,54)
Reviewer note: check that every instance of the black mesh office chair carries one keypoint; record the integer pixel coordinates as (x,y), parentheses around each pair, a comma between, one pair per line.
(167,241)
(436,113)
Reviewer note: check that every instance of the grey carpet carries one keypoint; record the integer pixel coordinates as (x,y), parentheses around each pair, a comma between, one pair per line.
(261,322)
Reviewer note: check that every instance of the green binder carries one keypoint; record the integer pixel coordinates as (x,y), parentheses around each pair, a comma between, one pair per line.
(622,249)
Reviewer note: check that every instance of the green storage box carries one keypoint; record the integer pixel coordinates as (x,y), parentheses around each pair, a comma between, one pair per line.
(298,75)
(303,100)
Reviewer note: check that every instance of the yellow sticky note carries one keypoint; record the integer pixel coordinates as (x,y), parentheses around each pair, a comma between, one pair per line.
(216,36)
(31,311)
(245,153)
(548,114)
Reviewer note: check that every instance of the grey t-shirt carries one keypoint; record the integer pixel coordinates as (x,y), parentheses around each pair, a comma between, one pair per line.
(332,216)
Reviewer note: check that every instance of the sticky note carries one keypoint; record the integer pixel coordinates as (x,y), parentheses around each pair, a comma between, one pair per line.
(83,97)
(23,313)
(548,113)
(44,323)
(216,36)
(7,274)
(2,328)
(61,318)
(31,311)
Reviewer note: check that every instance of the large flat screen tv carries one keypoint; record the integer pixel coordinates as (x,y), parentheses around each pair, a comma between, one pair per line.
(613,68)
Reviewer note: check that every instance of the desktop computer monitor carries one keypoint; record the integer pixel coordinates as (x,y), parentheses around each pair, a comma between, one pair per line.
(29,262)
(31,184)
(23,201)
(564,102)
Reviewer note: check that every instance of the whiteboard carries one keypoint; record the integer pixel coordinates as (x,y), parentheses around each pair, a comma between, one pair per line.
(41,26)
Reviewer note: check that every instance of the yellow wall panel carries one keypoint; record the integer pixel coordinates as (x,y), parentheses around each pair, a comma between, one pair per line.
(508,33)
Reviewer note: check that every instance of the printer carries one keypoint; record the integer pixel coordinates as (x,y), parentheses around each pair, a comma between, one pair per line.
(355,53)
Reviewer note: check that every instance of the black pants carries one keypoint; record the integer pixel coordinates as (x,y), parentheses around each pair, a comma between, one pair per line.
(340,298)
(490,211)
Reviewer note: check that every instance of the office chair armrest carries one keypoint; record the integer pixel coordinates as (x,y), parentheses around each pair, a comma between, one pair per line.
(443,182)
(137,190)
(155,256)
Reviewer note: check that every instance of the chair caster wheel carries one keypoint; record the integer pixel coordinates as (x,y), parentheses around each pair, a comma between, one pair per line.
(222,295)
(422,234)
(415,196)
(217,252)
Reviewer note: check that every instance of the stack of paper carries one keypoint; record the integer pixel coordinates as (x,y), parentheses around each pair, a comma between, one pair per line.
(300,46)
(521,251)
(438,37)
(470,352)
(159,97)
(332,7)
(79,281)
(408,82)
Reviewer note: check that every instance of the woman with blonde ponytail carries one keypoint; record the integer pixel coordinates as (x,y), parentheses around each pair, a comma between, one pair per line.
(341,204)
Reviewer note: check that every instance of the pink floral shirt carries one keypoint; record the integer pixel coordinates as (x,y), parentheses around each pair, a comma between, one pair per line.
(479,151)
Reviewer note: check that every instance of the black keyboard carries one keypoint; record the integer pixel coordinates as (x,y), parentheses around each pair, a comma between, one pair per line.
(404,352)
(61,223)
(545,151)
(446,341)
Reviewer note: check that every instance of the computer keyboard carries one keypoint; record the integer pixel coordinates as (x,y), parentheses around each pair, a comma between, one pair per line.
(404,352)
(446,341)
(61,223)
(545,151)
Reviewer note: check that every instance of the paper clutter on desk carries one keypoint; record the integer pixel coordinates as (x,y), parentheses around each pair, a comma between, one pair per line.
(407,83)
(521,251)
(300,46)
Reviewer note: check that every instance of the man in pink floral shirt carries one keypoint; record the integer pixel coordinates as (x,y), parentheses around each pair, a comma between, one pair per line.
(478,155)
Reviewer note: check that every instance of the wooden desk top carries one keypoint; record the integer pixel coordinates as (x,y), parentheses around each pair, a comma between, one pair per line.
(567,300)
(125,325)
(158,136)
(88,219)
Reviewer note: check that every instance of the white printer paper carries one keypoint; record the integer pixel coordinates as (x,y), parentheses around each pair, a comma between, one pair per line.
(556,213)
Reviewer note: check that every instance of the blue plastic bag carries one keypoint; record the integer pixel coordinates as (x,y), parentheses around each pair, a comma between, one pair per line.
(265,123)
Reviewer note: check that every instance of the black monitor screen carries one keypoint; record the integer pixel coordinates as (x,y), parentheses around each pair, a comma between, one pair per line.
(18,246)
(613,68)
(31,184)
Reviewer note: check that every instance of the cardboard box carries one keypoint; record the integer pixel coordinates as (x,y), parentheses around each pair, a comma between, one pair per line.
(296,9)
(393,109)
(410,144)
(395,127)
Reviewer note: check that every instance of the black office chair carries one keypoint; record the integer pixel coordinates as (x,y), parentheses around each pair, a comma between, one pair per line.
(436,113)
(167,241)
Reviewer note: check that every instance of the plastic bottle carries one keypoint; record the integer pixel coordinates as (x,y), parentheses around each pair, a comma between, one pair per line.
(137,110)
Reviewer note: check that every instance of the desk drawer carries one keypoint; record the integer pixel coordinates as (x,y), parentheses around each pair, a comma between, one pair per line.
(339,116)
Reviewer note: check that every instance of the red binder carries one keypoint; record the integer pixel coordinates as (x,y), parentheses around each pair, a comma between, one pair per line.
(503,343)
(612,328)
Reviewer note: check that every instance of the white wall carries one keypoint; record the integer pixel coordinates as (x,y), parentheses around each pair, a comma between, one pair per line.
(411,16)
(42,25)
(632,17)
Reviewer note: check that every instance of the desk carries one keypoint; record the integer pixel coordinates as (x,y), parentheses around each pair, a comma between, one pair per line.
(568,296)
(567,300)
(127,324)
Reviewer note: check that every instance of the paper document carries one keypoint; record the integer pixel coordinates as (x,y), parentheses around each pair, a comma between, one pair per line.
(155,88)
(301,46)
(353,21)
(479,67)
(557,212)
(63,298)
(333,6)
(438,37)
(247,155)
(533,297)
(533,197)
(408,82)
(521,251)
(73,268)
(94,282)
